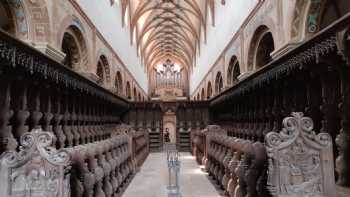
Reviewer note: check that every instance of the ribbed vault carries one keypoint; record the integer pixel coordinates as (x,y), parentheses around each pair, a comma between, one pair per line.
(168,29)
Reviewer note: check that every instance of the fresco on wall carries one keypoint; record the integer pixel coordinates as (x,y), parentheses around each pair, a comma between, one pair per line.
(19,13)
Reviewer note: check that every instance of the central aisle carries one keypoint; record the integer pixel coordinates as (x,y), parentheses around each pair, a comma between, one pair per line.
(152,179)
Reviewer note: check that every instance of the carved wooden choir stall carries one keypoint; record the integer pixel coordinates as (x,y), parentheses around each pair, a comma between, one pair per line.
(63,135)
(46,106)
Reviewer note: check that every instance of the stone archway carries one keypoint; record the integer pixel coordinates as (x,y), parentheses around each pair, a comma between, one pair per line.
(128,90)
(118,83)
(203,94)
(233,71)
(219,84)
(209,90)
(261,47)
(103,70)
(74,47)
(134,94)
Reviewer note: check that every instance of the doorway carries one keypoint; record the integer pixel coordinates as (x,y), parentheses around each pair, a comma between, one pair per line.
(169,122)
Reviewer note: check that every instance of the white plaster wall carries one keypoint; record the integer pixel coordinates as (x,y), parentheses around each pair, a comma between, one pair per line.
(108,21)
(228,19)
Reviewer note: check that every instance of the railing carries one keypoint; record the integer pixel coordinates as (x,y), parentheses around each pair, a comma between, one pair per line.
(294,161)
(312,78)
(102,168)
(38,92)
(237,165)
(77,116)
(198,145)
(140,146)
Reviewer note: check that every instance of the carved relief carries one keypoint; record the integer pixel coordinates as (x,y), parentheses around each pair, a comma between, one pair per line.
(300,162)
(36,170)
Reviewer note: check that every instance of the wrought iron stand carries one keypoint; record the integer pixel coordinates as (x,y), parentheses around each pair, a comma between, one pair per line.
(173,170)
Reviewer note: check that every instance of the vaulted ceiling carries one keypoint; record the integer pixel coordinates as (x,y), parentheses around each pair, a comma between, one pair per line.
(168,29)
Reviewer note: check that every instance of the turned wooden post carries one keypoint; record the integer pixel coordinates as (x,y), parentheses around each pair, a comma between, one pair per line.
(67,121)
(34,106)
(276,109)
(74,121)
(8,142)
(57,126)
(47,109)
(330,100)
(343,139)
(314,99)
(268,115)
(21,113)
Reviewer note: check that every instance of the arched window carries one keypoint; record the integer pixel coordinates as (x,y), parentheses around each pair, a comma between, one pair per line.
(128,90)
(74,47)
(139,96)
(198,97)
(102,70)
(7,21)
(118,83)
(218,83)
(264,50)
(203,94)
(233,71)
(261,47)
(333,10)
(100,73)
(209,90)
(135,94)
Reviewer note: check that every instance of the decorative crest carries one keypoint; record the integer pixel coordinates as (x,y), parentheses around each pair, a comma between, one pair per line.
(37,169)
(300,162)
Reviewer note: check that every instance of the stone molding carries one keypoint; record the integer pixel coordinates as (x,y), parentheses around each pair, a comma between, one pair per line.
(52,52)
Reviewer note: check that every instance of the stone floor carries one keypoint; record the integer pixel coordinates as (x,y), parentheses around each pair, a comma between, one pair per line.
(152,179)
